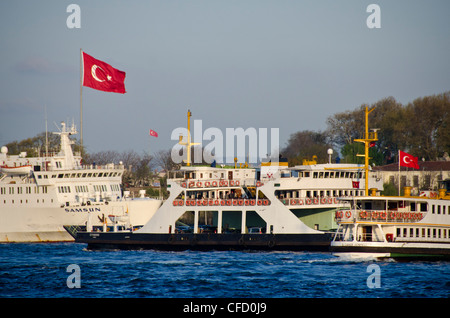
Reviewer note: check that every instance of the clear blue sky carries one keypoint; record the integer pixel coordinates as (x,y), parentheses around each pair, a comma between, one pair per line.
(234,63)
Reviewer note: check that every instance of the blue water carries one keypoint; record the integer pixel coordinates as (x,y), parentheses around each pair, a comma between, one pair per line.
(40,270)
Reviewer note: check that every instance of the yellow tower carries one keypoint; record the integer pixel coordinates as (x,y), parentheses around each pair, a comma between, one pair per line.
(188,143)
(369,137)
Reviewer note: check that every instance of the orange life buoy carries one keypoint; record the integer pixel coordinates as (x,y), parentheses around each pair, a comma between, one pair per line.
(183,185)
(252,202)
(266,202)
(207,184)
(214,183)
(199,184)
(348,214)
(308,201)
(300,202)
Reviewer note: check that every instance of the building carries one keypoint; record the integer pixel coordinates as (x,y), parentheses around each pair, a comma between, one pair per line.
(431,176)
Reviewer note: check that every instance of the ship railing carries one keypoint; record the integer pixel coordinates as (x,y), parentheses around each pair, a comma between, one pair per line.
(309,201)
(366,215)
(217,183)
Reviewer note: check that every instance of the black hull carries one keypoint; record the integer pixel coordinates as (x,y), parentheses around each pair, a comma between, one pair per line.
(204,242)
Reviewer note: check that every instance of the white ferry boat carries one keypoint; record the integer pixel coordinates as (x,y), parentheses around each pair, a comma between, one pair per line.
(311,191)
(394,227)
(270,207)
(41,194)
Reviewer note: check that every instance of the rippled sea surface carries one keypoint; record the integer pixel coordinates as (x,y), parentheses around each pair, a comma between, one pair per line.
(41,270)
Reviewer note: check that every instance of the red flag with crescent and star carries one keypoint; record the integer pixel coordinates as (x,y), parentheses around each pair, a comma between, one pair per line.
(407,160)
(153,133)
(102,76)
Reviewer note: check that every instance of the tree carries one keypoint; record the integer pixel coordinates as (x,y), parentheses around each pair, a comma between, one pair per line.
(305,144)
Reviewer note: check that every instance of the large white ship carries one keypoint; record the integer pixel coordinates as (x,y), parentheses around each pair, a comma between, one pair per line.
(39,195)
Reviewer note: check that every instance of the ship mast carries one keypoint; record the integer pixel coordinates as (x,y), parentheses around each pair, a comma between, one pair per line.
(188,143)
(369,137)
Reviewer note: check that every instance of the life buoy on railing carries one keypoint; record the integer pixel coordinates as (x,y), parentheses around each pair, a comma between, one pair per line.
(316,201)
(363,214)
(339,214)
(293,202)
(336,200)
(180,202)
(259,184)
(241,202)
(199,184)
(300,202)
(231,183)
(252,202)
(175,202)
(323,200)
(205,202)
(228,202)
(183,185)
(260,202)
(330,200)
(214,183)
(207,184)
(308,201)
(237,183)
(191,184)
(235,202)
(348,214)
(265,202)
(222,202)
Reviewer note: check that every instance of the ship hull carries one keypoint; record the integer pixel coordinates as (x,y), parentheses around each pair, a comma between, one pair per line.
(177,242)
(397,251)
(46,224)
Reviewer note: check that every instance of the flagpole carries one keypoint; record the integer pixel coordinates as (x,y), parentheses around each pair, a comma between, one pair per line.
(399,177)
(81,101)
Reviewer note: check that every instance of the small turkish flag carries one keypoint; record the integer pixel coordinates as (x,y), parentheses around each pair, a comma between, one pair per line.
(153,133)
(102,76)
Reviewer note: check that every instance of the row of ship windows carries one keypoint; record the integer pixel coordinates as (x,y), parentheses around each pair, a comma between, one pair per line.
(19,190)
(61,189)
(84,188)
(289,194)
(423,232)
(328,174)
(26,201)
(82,175)
(438,209)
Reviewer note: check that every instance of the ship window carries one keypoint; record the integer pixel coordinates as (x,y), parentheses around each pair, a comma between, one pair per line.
(423,232)
(423,207)
(433,208)
(411,232)
(320,174)
(413,206)
(443,209)
(417,232)
(399,232)
(438,209)
(315,175)
(327,174)
(60,176)
(331,174)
